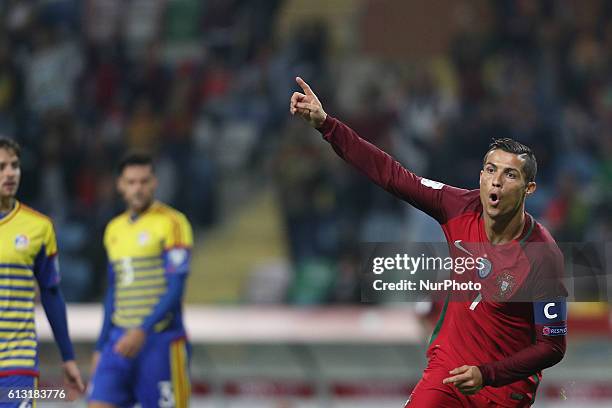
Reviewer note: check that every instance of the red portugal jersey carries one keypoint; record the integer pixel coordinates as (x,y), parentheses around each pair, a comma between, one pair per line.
(512,328)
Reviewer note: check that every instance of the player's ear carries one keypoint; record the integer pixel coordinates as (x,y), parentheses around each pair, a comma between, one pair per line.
(530,188)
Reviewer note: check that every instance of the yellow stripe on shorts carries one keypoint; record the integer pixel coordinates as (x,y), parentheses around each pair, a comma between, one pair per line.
(180,377)
(185,370)
(35,388)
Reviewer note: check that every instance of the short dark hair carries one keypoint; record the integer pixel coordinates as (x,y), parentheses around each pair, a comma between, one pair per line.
(10,144)
(530,168)
(135,159)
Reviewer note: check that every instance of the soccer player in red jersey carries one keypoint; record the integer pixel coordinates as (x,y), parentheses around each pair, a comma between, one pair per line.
(488,351)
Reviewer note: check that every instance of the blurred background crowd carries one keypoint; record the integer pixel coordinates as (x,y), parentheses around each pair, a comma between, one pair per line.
(205,86)
(280,220)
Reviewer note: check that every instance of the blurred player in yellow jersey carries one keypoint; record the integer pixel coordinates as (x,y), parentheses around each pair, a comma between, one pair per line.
(28,253)
(142,352)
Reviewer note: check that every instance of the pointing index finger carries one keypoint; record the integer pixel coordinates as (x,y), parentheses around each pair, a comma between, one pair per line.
(305,87)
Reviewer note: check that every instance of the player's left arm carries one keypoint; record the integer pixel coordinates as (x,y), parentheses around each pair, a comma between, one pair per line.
(46,270)
(548,350)
(550,324)
(177,260)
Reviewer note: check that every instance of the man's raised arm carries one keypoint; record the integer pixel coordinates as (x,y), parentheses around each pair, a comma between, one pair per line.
(380,167)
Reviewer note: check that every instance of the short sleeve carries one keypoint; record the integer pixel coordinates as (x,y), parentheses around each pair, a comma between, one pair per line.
(177,246)
(179,234)
(46,264)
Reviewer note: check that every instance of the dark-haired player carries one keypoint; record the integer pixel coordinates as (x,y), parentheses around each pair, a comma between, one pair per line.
(142,352)
(490,351)
(28,254)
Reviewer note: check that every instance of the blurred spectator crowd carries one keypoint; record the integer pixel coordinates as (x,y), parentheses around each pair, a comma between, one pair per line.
(539,73)
(81,82)
(204,85)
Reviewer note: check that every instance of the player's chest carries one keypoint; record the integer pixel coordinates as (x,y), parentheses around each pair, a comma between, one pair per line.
(20,243)
(134,241)
(501,270)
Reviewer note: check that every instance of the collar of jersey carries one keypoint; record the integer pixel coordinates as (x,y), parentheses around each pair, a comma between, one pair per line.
(8,216)
(525,233)
(133,220)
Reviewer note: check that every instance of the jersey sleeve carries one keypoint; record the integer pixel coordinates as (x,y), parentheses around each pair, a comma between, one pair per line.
(109,306)
(179,233)
(177,245)
(46,264)
(55,308)
(549,322)
(546,280)
(436,199)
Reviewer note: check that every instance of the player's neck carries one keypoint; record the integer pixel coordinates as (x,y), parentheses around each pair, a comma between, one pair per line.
(135,213)
(6,204)
(504,229)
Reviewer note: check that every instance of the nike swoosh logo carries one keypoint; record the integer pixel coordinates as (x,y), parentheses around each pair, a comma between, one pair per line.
(459,246)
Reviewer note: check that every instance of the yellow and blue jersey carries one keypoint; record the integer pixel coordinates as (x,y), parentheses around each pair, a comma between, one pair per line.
(143,253)
(28,252)
(149,258)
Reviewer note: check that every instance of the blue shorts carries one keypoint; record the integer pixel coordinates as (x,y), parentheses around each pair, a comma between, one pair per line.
(157,377)
(14,383)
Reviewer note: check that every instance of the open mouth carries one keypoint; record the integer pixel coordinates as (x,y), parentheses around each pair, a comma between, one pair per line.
(494,199)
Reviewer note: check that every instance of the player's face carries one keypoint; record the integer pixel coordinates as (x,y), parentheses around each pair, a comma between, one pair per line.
(503,186)
(10,173)
(137,185)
